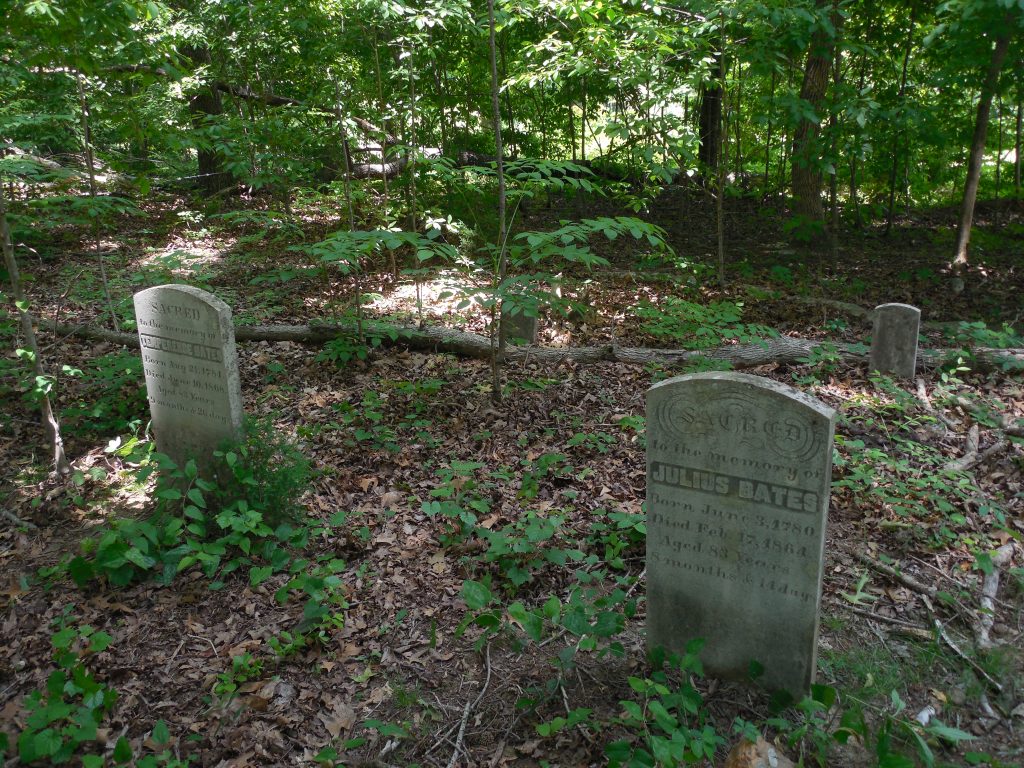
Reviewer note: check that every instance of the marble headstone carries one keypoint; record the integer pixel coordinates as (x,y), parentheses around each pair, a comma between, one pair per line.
(188,356)
(738,478)
(894,340)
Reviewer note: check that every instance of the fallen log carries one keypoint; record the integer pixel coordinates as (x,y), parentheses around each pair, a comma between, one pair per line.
(781,350)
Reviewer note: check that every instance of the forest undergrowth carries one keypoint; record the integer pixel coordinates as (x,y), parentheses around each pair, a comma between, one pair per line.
(403,572)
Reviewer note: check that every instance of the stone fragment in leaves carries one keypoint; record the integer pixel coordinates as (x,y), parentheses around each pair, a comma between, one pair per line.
(759,754)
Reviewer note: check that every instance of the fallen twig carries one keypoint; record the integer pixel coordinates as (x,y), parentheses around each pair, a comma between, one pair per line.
(989,589)
(892,573)
(980,414)
(946,422)
(8,515)
(781,350)
(882,617)
(970,457)
(465,713)
(944,635)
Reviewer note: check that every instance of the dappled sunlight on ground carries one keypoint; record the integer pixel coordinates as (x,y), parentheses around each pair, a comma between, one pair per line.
(439,297)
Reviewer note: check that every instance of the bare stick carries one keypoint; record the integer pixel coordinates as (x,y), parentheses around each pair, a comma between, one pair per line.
(979,413)
(465,713)
(882,617)
(8,515)
(989,589)
(944,635)
(946,423)
(970,457)
(895,575)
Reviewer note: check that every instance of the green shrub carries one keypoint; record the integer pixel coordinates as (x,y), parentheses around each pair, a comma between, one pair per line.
(244,516)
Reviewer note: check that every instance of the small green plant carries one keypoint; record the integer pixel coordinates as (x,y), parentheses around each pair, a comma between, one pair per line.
(779,273)
(908,480)
(64,718)
(971,336)
(458,500)
(345,349)
(287,644)
(667,716)
(246,515)
(616,532)
(521,548)
(699,326)
(823,360)
(260,225)
(553,465)
(598,442)
(244,667)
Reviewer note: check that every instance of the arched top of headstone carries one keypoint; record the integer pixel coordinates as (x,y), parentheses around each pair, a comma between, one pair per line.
(895,306)
(184,293)
(737,407)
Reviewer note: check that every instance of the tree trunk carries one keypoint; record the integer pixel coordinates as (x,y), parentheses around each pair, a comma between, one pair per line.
(805,165)
(897,143)
(977,153)
(768,138)
(50,423)
(855,154)
(710,123)
(496,344)
(999,156)
(1017,147)
(203,104)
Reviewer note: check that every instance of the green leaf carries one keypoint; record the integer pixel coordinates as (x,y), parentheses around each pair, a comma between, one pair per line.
(476,595)
(122,751)
(161,735)
(62,640)
(260,574)
(81,571)
(99,642)
(531,623)
(948,733)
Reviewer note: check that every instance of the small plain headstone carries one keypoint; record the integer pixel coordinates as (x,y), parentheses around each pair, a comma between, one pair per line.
(738,477)
(188,356)
(894,340)
(518,327)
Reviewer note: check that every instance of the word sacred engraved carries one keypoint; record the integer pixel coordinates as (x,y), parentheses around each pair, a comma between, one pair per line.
(738,418)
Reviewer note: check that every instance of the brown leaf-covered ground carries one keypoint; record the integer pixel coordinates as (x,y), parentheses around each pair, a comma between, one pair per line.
(381,433)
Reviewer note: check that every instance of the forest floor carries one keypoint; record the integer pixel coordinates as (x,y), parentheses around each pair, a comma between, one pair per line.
(414,667)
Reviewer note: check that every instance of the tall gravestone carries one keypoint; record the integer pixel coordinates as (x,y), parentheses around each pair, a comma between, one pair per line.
(738,477)
(894,340)
(188,356)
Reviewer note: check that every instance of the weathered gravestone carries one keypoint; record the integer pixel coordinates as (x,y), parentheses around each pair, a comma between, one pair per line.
(738,476)
(518,327)
(188,355)
(894,340)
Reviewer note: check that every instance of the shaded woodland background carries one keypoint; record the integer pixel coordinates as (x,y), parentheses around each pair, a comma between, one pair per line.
(429,547)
